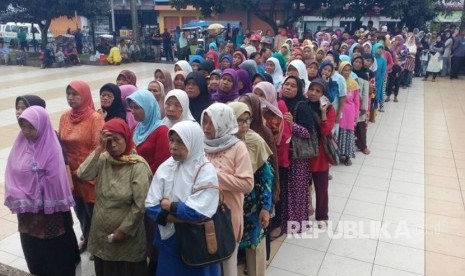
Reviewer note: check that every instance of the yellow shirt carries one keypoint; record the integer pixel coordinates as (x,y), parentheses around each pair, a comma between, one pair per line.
(114,56)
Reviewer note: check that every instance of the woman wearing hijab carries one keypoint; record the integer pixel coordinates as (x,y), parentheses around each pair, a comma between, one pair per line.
(126,91)
(378,50)
(231,160)
(282,61)
(150,135)
(238,58)
(179,80)
(79,133)
(257,203)
(286,51)
(206,67)
(320,55)
(435,62)
(213,81)
(213,56)
(226,62)
(273,68)
(295,203)
(177,108)
(126,77)
(250,66)
(325,116)
(273,111)
(151,140)
(308,54)
(38,190)
(182,65)
(259,77)
(117,236)
(23,102)
(244,83)
(363,80)
(158,91)
(110,100)
(228,89)
(195,62)
(297,68)
(197,91)
(351,110)
(171,195)
(164,76)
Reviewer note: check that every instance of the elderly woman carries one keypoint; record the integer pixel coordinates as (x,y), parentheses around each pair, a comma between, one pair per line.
(117,235)
(177,108)
(79,133)
(230,157)
(110,100)
(182,65)
(257,204)
(37,189)
(170,197)
(273,68)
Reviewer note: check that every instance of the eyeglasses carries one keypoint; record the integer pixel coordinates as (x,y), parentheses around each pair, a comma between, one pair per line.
(242,122)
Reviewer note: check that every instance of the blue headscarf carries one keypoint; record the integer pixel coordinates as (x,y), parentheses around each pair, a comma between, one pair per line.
(152,120)
(380,73)
(195,58)
(213,45)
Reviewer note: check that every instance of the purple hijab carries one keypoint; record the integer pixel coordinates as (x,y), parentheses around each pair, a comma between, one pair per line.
(227,96)
(126,91)
(36,178)
(243,76)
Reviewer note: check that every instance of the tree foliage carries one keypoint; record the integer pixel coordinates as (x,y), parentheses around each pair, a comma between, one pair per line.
(43,11)
(410,12)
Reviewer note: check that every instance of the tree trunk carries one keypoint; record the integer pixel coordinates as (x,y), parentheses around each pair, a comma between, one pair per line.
(44,30)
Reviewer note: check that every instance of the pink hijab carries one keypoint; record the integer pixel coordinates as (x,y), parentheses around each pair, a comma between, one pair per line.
(36,178)
(126,91)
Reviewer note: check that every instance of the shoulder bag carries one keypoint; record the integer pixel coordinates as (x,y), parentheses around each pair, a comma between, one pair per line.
(208,241)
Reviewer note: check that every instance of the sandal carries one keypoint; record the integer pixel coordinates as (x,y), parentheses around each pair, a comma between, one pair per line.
(396,100)
(322,224)
(366,151)
(348,162)
(275,234)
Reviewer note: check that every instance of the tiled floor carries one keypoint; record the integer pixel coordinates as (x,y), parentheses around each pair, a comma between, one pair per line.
(398,211)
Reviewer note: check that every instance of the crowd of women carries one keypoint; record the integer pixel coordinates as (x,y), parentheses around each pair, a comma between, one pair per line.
(133,167)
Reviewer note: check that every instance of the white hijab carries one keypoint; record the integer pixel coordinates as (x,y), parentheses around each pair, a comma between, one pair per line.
(277,74)
(183,99)
(185,66)
(225,125)
(174,180)
(302,69)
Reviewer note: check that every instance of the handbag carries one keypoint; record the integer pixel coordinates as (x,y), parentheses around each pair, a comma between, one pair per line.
(209,241)
(331,149)
(304,148)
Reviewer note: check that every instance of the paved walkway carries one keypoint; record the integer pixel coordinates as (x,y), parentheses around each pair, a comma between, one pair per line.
(398,211)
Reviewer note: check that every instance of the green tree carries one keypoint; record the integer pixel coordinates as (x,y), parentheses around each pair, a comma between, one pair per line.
(43,11)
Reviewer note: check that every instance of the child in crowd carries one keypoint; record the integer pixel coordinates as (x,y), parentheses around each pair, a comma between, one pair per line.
(394,80)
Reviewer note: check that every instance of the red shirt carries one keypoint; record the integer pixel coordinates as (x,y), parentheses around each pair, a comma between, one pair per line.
(321,162)
(284,147)
(155,149)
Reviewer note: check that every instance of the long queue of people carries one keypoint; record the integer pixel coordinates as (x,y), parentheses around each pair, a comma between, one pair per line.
(129,168)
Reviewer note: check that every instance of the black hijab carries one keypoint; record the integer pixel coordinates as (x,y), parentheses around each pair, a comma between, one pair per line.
(207,65)
(202,101)
(116,109)
(308,113)
(30,100)
(291,103)
(362,73)
(264,76)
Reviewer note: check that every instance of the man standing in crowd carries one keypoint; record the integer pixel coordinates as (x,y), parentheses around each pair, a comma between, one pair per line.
(156,41)
(458,55)
(167,45)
